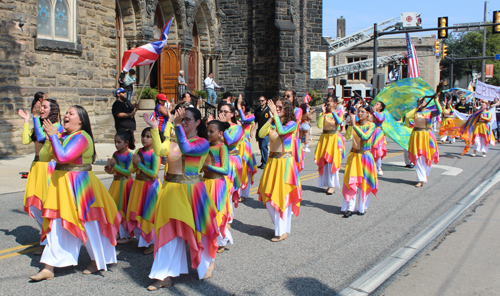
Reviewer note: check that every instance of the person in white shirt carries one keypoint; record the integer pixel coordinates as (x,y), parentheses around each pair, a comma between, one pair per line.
(210,85)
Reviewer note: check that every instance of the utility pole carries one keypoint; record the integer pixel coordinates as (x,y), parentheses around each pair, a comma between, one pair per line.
(451,72)
(375,48)
(483,64)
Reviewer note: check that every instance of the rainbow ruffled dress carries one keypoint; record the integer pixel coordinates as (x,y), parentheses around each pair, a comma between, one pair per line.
(249,164)
(478,126)
(379,144)
(122,182)
(422,140)
(216,183)
(144,195)
(75,195)
(450,126)
(280,182)
(232,137)
(184,208)
(360,166)
(298,152)
(331,143)
(42,167)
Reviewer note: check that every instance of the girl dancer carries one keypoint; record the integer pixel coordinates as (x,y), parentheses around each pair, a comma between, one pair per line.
(184,213)
(360,178)
(42,166)
(448,129)
(162,116)
(216,168)
(119,166)
(298,152)
(422,148)
(379,145)
(144,193)
(477,130)
(279,187)
(330,149)
(249,164)
(78,208)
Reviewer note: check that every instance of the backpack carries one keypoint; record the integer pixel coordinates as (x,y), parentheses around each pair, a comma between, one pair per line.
(121,79)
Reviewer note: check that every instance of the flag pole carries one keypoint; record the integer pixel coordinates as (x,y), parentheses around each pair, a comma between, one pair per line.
(144,84)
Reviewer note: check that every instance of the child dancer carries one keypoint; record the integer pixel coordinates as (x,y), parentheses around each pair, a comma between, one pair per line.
(245,149)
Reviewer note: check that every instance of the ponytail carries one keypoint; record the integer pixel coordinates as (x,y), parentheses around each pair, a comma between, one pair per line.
(201,130)
(221,126)
(127,136)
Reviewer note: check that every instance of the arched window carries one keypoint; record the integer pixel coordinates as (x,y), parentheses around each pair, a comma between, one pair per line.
(56,19)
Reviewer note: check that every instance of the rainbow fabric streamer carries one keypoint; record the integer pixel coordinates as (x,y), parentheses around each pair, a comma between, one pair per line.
(396,131)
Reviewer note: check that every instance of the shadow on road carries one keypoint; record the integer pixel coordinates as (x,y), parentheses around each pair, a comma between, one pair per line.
(308,286)
(252,203)
(330,209)
(253,230)
(397,180)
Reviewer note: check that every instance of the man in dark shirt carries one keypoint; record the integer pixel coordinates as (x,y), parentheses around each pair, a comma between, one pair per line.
(262,115)
(123,111)
(462,107)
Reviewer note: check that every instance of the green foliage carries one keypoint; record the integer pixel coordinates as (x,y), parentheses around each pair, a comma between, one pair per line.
(149,93)
(471,45)
(200,94)
(316,98)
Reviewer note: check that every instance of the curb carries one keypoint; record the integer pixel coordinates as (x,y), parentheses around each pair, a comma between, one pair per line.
(383,271)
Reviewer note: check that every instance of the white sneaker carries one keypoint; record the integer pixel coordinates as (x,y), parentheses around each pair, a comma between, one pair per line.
(484,155)
(473,154)
(307,149)
(380,172)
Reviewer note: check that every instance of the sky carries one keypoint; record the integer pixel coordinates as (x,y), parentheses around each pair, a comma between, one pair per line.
(361,14)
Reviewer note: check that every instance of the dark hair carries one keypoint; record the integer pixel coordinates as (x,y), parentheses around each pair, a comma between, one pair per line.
(335,99)
(180,105)
(304,107)
(244,103)
(221,126)
(127,136)
(232,109)
(383,106)
(54,116)
(84,117)
(131,72)
(289,111)
(144,131)
(184,95)
(37,98)
(226,94)
(295,102)
(201,130)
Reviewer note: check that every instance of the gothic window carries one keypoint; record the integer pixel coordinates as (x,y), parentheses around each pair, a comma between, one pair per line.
(56,20)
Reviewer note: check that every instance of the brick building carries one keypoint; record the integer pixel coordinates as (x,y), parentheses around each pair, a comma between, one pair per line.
(72,49)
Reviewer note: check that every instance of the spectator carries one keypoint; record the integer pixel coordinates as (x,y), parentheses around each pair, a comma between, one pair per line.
(226,98)
(262,114)
(182,85)
(496,132)
(123,112)
(128,83)
(462,107)
(210,87)
(186,101)
(305,125)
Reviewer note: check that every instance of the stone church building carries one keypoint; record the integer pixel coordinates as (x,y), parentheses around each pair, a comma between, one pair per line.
(72,50)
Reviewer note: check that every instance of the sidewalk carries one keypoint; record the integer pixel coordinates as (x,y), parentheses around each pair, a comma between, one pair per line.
(466,262)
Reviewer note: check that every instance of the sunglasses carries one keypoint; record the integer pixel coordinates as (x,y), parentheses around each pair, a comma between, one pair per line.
(186,119)
(279,107)
(262,100)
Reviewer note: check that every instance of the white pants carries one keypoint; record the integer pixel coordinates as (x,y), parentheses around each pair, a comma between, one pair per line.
(451,139)
(328,179)
(479,145)
(63,248)
(38,217)
(142,241)
(223,241)
(123,232)
(246,192)
(171,260)
(422,169)
(351,205)
(281,226)
(378,164)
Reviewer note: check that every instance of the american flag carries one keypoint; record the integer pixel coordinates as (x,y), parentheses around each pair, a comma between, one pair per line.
(146,54)
(413,71)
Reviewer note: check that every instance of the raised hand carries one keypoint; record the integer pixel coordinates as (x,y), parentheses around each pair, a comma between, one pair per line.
(210,118)
(222,117)
(36,108)
(151,122)
(272,107)
(323,107)
(240,98)
(49,128)
(25,115)
(179,115)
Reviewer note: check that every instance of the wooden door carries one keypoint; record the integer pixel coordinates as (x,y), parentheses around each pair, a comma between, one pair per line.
(192,69)
(169,71)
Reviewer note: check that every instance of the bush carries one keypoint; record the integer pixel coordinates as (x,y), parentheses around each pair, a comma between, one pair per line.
(200,94)
(316,98)
(149,93)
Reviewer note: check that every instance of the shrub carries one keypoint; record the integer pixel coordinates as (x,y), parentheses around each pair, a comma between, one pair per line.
(200,94)
(149,93)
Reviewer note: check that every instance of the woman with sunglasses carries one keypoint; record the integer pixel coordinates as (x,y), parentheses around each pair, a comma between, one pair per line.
(477,130)
(184,213)
(279,187)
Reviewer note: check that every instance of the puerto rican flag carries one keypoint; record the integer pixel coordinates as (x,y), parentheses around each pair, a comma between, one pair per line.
(307,98)
(413,71)
(146,54)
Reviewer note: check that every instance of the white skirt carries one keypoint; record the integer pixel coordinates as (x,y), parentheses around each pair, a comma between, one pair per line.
(328,179)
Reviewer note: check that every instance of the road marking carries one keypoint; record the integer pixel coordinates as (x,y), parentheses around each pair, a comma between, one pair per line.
(449,170)
(29,250)
(18,247)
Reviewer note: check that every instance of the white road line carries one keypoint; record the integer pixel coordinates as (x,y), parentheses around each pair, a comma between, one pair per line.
(381,272)
(449,170)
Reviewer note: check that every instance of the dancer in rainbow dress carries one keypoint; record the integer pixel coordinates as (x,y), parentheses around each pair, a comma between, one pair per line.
(119,166)
(422,147)
(216,168)
(144,194)
(232,138)
(330,149)
(449,129)
(184,212)
(78,208)
(298,152)
(379,145)
(249,164)
(42,166)
(161,114)
(360,178)
(477,130)
(279,187)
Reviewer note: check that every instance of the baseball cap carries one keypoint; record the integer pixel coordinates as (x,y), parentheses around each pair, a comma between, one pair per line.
(161,97)
(120,90)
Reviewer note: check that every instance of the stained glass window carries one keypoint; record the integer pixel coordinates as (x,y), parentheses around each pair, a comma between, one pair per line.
(44,18)
(61,25)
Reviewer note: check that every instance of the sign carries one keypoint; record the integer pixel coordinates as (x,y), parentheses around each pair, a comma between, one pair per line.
(410,20)
(318,65)
(487,92)
(471,27)
(489,70)
(497,57)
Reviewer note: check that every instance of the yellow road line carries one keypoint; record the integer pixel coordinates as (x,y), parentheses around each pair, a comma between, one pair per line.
(29,250)
(18,247)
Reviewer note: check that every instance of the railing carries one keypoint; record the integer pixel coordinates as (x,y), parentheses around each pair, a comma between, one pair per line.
(363,65)
(206,108)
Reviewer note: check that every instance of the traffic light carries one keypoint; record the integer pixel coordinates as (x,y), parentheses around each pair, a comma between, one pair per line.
(496,20)
(445,50)
(442,23)
(437,47)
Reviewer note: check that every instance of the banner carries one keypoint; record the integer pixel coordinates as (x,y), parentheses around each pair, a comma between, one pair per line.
(487,92)
(489,71)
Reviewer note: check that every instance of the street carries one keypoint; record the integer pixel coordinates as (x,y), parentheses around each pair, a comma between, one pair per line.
(323,254)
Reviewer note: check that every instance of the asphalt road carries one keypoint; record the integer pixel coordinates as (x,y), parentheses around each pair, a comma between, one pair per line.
(323,254)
